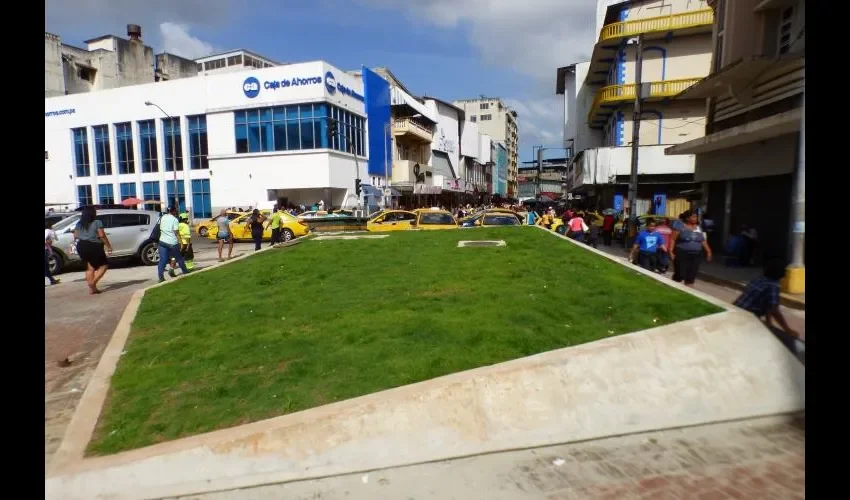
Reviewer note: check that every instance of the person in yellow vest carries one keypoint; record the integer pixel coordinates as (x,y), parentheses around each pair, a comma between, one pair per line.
(185,234)
(274,223)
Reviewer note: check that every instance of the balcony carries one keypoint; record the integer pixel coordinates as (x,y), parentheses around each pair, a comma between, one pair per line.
(614,35)
(609,98)
(405,127)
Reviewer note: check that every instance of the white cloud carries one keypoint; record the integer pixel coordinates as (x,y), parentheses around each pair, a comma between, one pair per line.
(177,40)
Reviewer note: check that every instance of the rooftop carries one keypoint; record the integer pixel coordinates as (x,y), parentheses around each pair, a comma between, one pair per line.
(237,51)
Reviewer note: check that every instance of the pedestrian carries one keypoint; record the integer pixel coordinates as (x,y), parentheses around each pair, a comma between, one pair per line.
(687,244)
(664,232)
(255,224)
(90,241)
(608,229)
(186,249)
(49,238)
(224,235)
(532,218)
(577,228)
(593,236)
(761,297)
(646,247)
(274,223)
(169,244)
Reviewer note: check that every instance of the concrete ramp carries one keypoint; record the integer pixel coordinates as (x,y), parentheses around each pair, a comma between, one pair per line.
(721,367)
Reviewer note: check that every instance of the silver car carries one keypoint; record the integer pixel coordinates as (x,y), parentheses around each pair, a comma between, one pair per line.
(129,231)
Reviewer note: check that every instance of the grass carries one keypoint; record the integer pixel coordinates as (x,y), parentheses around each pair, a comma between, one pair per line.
(326,321)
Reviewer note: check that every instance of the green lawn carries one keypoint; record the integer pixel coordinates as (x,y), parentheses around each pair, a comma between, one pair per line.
(325,321)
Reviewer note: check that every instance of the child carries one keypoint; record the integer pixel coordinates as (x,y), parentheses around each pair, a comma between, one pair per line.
(646,247)
(185,233)
(594,235)
(761,297)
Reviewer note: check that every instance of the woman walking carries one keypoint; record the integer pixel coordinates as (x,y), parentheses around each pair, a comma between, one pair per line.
(686,246)
(255,222)
(90,240)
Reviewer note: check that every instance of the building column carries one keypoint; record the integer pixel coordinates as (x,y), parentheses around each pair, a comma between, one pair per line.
(795,274)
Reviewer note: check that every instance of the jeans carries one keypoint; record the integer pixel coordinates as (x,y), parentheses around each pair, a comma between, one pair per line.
(275,236)
(257,235)
(578,236)
(663,260)
(647,260)
(166,253)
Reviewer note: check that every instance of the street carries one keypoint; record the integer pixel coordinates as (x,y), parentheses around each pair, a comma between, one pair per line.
(78,326)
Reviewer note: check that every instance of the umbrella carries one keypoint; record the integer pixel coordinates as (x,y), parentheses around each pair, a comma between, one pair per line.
(132,202)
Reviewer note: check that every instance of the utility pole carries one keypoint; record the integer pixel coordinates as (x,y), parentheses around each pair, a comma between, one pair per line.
(633,178)
(795,275)
(173,153)
(539,169)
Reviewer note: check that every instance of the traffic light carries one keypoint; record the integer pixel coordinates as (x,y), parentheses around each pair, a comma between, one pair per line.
(332,128)
(357,186)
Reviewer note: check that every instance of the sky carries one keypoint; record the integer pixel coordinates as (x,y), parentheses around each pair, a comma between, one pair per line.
(450,49)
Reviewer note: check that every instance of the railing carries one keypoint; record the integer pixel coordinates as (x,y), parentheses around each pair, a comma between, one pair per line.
(403,125)
(620,93)
(703,17)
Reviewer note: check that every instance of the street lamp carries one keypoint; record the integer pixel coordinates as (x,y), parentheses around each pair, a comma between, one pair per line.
(173,155)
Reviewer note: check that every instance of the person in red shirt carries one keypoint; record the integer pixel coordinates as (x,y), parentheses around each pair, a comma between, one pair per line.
(664,230)
(607,229)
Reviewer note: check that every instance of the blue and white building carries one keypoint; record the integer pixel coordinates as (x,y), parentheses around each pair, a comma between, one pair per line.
(246,138)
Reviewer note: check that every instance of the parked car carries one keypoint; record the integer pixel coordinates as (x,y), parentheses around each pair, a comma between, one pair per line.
(390,220)
(291,228)
(113,206)
(52,218)
(494,217)
(129,231)
(204,227)
(430,219)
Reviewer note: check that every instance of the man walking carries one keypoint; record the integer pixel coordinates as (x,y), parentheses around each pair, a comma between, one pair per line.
(274,223)
(223,234)
(646,246)
(608,229)
(169,243)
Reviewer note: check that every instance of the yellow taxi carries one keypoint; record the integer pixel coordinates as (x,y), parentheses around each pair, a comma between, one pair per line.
(590,218)
(493,217)
(430,219)
(204,227)
(291,228)
(391,220)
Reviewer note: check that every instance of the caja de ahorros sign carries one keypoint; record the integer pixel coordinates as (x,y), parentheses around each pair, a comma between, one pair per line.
(252,86)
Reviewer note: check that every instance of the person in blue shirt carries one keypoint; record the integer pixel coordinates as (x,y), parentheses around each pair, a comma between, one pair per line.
(646,246)
(532,217)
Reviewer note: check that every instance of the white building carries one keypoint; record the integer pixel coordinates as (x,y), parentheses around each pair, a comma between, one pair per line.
(497,120)
(241,139)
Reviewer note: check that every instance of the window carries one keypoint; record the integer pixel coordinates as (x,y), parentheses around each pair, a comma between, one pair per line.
(102,154)
(198,142)
(253,62)
(201,201)
(81,153)
(124,145)
(214,64)
(181,194)
(484,118)
(147,146)
(84,196)
(786,23)
(86,74)
(234,60)
(473,118)
(200,68)
(128,220)
(128,190)
(297,127)
(435,218)
(105,194)
(485,105)
(171,130)
(150,191)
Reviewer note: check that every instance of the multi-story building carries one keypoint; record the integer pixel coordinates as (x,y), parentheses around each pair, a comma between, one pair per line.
(751,158)
(497,120)
(548,179)
(599,99)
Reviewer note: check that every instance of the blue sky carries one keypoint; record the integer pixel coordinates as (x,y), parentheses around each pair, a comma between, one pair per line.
(450,49)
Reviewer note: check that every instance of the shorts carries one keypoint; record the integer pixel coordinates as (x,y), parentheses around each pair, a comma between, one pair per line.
(91,253)
(223,236)
(686,267)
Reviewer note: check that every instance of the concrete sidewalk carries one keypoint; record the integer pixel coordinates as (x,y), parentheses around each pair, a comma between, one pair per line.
(756,458)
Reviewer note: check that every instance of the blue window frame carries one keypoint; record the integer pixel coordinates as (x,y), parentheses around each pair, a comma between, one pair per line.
(81,153)
(105,194)
(198,149)
(124,146)
(147,146)
(181,194)
(84,196)
(128,190)
(102,153)
(297,127)
(150,191)
(171,129)
(201,201)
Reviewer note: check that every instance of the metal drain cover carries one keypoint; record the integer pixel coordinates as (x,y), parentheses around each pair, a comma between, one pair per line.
(481,243)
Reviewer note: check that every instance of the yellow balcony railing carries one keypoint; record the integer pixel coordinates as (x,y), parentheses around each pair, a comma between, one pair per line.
(404,126)
(613,94)
(672,22)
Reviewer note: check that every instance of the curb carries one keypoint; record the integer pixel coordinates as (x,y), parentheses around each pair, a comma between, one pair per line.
(80,429)
(784,299)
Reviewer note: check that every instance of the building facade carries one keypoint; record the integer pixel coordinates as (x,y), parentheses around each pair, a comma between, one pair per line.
(236,139)
(599,103)
(752,156)
(498,121)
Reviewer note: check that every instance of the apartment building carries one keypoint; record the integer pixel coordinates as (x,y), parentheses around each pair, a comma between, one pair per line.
(497,120)
(675,38)
(751,159)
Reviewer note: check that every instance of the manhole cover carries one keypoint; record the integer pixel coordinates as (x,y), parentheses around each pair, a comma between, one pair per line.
(495,243)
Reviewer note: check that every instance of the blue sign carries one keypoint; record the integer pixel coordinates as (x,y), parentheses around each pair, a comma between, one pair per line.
(330,83)
(618,203)
(60,112)
(251,87)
